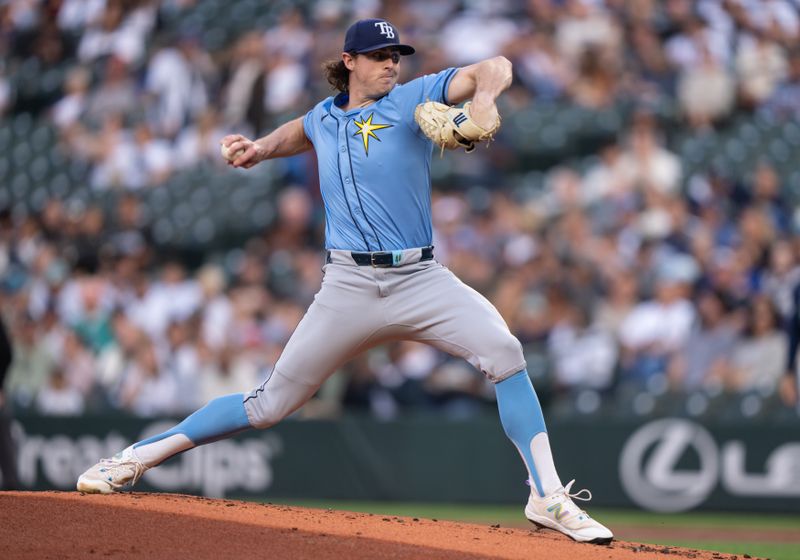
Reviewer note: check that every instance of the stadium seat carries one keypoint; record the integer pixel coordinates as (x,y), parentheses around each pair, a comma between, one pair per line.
(21,153)
(39,169)
(5,168)
(20,186)
(163,231)
(21,125)
(60,185)
(6,135)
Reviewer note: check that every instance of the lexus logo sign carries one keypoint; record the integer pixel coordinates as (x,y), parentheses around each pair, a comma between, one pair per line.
(649,470)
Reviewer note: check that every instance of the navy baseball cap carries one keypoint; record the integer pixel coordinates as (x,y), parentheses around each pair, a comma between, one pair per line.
(372,34)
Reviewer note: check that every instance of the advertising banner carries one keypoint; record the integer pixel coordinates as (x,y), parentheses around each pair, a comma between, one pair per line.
(668,464)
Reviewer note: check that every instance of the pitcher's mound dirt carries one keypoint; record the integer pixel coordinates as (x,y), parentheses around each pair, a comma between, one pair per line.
(49,525)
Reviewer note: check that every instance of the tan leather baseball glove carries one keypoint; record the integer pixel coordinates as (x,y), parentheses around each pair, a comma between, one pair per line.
(452,127)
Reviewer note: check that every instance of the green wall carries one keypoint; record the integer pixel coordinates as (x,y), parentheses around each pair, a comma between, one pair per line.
(669,464)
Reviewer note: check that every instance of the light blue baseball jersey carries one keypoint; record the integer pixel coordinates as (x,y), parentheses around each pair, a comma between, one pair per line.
(374,167)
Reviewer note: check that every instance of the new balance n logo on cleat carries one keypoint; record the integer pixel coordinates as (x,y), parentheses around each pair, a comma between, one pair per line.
(555,509)
(558,511)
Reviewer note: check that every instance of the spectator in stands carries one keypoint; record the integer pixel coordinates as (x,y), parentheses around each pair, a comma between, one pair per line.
(789,387)
(76,15)
(118,32)
(115,95)
(243,97)
(197,144)
(178,83)
(291,36)
(649,76)
(113,361)
(656,329)
(781,276)
(110,150)
(58,397)
(131,159)
(93,324)
(284,84)
(768,195)
(705,89)
(47,274)
(130,234)
(6,91)
(539,66)
(363,392)
(647,161)
(760,66)
(704,358)
(147,389)
(225,370)
(71,108)
(596,84)
(89,241)
(181,362)
(153,159)
(32,364)
(216,310)
(78,365)
(610,182)
(784,103)
(582,355)
(404,371)
(622,296)
(759,359)
(457,391)
(696,44)
(457,35)
(586,26)
(706,92)
(173,296)
(8,455)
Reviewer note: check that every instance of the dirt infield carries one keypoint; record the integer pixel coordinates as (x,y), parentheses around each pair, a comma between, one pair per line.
(49,525)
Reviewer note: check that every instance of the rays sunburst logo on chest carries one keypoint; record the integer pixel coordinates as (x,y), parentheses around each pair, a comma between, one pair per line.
(367,128)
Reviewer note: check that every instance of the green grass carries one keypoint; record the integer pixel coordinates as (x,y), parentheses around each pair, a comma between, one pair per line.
(710,520)
(774,551)
(511,516)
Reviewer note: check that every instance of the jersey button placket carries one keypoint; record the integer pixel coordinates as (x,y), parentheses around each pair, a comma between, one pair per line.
(352,195)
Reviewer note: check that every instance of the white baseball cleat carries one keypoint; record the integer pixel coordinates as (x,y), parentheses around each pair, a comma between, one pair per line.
(558,511)
(112,474)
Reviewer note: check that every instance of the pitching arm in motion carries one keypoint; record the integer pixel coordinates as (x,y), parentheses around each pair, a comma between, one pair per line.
(287,140)
(483,82)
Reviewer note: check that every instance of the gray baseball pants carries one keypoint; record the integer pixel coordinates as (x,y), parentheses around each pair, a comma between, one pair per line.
(359,307)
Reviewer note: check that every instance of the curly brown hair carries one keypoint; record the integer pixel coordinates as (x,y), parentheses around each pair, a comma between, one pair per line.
(337,74)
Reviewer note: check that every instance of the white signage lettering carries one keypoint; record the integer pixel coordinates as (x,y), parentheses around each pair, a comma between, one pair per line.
(213,470)
(649,472)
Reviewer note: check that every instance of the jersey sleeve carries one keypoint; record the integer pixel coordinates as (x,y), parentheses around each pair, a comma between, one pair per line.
(308,125)
(432,87)
(314,117)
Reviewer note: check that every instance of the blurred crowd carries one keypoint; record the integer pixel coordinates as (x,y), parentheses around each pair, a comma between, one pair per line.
(142,100)
(626,274)
(638,287)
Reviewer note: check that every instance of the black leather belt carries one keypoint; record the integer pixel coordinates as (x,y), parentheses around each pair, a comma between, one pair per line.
(385,259)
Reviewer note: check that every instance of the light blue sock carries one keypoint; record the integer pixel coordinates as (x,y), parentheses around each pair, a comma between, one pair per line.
(521,416)
(221,418)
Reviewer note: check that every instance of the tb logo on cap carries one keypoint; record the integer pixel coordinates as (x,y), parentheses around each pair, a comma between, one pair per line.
(386,29)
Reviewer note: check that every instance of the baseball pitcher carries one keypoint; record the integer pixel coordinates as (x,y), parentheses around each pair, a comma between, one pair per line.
(374,142)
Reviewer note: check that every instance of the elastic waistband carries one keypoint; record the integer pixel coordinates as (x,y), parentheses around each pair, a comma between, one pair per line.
(381,259)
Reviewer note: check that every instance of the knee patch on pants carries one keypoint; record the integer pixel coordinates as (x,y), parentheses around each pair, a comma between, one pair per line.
(275,399)
(506,359)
